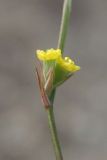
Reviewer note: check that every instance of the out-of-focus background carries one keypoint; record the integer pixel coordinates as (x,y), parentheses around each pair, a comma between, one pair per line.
(81,103)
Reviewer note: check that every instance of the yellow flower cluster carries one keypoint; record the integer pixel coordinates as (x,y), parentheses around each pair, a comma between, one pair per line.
(68,64)
(52,54)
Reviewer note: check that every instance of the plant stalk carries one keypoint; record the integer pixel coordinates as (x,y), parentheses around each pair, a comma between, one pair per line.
(54,135)
(67,5)
(61,43)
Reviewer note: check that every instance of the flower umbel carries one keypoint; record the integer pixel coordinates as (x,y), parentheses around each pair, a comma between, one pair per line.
(56,69)
(52,54)
(67,64)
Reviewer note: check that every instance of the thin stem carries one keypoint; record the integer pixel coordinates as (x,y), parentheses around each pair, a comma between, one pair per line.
(64,23)
(67,5)
(54,135)
(61,43)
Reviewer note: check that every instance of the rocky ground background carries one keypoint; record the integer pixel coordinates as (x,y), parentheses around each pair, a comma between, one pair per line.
(80,105)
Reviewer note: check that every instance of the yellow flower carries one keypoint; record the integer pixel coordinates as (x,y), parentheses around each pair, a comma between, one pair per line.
(67,64)
(50,54)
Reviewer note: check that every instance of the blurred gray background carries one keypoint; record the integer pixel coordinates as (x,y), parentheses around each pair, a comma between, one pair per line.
(81,103)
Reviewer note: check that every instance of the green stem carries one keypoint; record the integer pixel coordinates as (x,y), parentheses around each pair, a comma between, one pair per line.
(64,23)
(67,5)
(54,135)
(61,43)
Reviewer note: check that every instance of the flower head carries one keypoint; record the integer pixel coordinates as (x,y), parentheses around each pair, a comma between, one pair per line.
(47,55)
(56,69)
(67,64)
(52,54)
